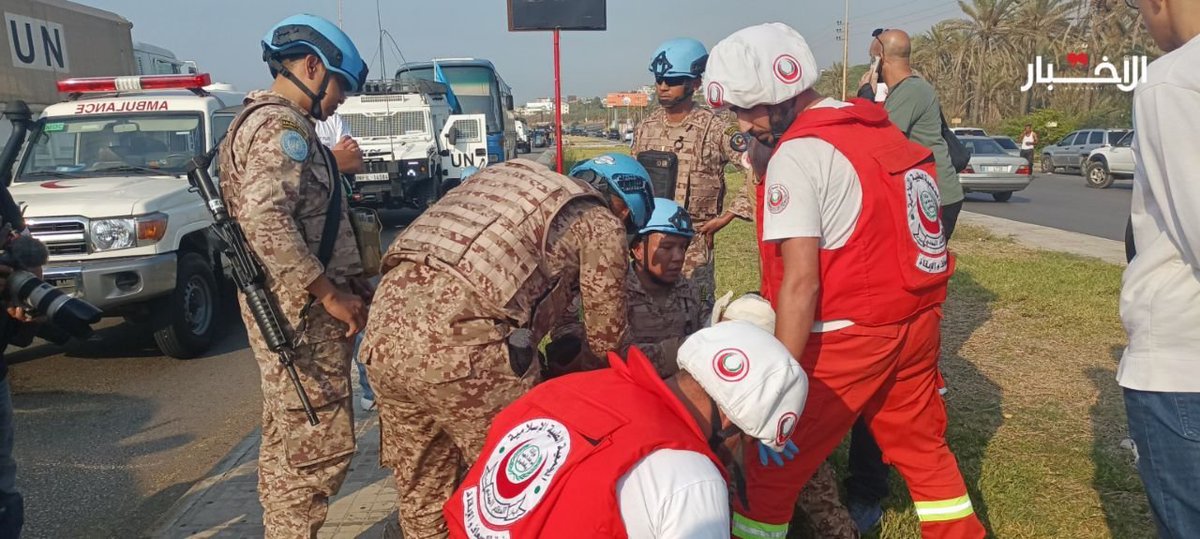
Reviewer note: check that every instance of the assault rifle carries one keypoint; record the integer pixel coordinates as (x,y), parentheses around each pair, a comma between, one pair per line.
(248,274)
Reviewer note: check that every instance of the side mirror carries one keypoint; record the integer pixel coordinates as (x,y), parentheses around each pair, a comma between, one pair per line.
(508,102)
(452,136)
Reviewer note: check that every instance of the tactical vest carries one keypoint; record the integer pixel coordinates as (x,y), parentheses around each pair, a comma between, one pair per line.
(552,459)
(492,231)
(698,186)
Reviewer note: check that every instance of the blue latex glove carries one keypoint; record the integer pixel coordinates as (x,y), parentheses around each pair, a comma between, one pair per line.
(789,452)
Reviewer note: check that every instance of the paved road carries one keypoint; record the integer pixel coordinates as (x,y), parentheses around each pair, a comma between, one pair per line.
(1063,202)
(109,434)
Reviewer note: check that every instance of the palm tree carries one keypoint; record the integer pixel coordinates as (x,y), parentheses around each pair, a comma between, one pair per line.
(989,23)
(1035,24)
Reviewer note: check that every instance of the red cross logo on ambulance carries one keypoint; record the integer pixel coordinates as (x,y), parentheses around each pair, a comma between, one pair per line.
(922,205)
(517,475)
(731,364)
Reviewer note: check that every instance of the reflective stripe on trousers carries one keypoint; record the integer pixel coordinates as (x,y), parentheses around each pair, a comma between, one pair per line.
(750,529)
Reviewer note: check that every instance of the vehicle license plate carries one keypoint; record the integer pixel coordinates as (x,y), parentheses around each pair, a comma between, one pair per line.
(373,177)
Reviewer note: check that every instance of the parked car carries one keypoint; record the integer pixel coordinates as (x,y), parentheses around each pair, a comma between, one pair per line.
(992,170)
(1072,151)
(613,134)
(1110,163)
(1009,145)
(968,132)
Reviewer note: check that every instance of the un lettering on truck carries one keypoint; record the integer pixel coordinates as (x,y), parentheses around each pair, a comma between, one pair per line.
(48,42)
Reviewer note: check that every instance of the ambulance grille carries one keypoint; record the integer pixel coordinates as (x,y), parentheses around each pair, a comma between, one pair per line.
(386,125)
(61,237)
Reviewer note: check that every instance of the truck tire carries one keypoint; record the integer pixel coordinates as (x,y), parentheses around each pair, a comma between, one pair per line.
(187,318)
(1098,176)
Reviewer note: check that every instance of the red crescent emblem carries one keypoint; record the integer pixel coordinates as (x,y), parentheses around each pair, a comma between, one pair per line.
(54,185)
(506,488)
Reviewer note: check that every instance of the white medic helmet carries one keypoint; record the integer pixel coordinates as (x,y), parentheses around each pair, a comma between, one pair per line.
(765,64)
(751,376)
(750,307)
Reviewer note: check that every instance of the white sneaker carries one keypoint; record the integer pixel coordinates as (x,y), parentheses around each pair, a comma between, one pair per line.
(366,404)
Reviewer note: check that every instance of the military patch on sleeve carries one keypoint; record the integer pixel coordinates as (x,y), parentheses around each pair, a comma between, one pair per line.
(731,130)
(294,145)
(288,123)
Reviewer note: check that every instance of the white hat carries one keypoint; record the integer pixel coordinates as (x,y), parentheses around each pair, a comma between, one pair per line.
(751,376)
(760,65)
(750,307)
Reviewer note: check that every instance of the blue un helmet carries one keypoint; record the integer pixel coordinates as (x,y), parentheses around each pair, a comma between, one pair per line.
(624,177)
(669,218)
(680,57)
(308,33)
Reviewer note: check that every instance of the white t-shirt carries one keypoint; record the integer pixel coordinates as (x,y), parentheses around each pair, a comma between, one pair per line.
(332,129)
(1027,142)
(674,494)
(812,191)
(1160,292)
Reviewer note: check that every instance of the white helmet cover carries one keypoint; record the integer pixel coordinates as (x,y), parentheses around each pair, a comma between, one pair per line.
(760,65)
(751,376)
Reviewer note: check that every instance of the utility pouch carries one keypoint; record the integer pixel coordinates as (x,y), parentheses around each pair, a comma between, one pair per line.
(664,171)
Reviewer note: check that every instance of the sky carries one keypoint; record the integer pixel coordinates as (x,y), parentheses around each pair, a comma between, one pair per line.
(223,36)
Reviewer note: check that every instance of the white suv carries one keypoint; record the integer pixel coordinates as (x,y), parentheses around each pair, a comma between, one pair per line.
(1104,165)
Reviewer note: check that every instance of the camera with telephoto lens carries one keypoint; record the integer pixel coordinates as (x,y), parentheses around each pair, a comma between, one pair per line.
(66,316)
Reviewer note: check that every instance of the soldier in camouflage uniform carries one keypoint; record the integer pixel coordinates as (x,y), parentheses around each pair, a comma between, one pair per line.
(699,140)
(469,290)
(664,307)
(277,182)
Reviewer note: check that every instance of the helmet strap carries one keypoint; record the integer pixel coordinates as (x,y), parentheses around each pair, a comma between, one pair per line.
(716,439)
(315,108)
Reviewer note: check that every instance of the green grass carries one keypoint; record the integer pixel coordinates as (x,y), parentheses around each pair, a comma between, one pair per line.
(1031,344)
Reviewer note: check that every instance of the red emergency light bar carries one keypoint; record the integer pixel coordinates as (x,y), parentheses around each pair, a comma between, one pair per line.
(134,83)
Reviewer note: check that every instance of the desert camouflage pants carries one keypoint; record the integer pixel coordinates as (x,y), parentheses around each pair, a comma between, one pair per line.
(820,501)
(699,266)
(300,466)
(438,383)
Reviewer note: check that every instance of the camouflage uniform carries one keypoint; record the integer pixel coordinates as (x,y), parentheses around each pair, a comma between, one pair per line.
(658,320)
(498,253)
(701,144)
(820,501)
(277,185)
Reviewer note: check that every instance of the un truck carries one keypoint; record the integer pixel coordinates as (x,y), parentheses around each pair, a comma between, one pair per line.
(414,149)
(53,40)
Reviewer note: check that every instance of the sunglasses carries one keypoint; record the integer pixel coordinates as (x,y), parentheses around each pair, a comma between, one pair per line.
(672,81)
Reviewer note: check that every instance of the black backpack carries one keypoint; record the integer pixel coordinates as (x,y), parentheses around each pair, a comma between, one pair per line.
(960,156)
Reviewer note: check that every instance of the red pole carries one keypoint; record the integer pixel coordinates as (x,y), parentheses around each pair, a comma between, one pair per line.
(558,140)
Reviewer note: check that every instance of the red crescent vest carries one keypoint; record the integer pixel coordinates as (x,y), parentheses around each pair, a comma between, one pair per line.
(552,459)
(895,263)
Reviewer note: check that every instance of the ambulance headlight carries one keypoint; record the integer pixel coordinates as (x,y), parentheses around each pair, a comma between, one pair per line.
(124,233)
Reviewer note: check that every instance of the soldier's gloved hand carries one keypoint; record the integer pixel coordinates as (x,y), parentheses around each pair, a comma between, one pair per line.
(789,452)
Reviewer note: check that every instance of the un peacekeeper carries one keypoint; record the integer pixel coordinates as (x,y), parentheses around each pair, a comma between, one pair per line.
(277,181)
(695,141)
(664,307)
(469,290)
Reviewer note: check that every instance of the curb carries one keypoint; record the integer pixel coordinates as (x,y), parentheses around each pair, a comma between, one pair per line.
(1050,239)
(248,447)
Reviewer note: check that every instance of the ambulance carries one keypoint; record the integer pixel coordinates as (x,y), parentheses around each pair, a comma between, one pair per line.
(102,182)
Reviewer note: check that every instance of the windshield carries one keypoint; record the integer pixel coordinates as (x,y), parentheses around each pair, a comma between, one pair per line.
(1006,143)
(983,146)
(474,86)
(93,146)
